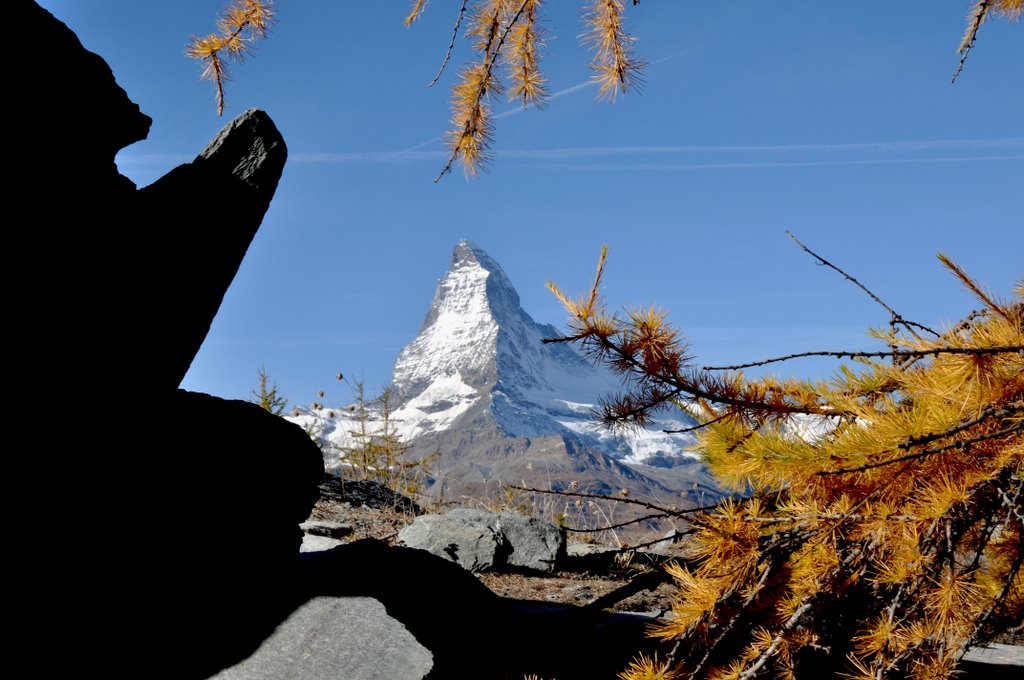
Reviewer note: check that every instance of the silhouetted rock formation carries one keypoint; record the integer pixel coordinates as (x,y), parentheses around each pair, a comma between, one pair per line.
(205,214)
(118,292)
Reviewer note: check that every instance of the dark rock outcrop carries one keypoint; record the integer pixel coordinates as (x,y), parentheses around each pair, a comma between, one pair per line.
(205,214)
(125,282)
(123,286)
(223,460)
(71,116)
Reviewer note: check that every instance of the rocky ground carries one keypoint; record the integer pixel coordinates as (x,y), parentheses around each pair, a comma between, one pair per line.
(580,586)
(563,587)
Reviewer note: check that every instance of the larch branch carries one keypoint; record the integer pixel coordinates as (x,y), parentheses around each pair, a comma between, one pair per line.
(482,89)
(978,12)
(961,444)
(617,499)
(896,318)
(451,45)
(936,351)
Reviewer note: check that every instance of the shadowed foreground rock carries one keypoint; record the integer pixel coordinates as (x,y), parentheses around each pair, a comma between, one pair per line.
(124,286)
(206,213)
(328,638)
(470,631)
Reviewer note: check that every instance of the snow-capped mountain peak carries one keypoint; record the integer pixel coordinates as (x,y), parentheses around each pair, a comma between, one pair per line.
(479,362)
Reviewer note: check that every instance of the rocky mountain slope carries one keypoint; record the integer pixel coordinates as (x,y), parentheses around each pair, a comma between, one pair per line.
(501,406)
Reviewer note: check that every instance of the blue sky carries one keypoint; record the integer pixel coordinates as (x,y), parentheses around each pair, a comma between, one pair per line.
(836,121)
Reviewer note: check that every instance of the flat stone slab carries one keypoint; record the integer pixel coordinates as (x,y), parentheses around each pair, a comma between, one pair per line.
(314,543)
(997,654)
(329,638)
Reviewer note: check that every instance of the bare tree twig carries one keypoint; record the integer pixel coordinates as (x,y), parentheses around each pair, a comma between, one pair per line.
(618,499)
(657,515)
(682,386)
(489,68)
(451,45)
(976,351)
(896,318)
(646,581)
(980,11)
(700,426)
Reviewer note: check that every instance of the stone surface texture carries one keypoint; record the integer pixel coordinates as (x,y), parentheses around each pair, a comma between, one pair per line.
(479,540)
(330,638)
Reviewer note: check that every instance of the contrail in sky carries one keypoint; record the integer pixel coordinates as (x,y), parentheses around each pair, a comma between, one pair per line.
(556,95)
(782,164)
(567,153)
(926,145)
(418,153)
(423,152)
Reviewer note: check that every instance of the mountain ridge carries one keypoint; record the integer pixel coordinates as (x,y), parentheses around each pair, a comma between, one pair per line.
(479,385)
(478,348)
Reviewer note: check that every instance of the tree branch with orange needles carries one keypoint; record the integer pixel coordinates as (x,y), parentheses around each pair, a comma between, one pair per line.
(472,134)
(959,445)
(936,351)
(242,23)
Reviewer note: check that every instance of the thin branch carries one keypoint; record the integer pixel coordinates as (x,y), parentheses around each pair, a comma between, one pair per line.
(700,426)
(966,324)
(1011,409)
(1013,504)
(896,318)
(654,542)
(243,14)
(617,499)
(647,581)
(680,385)
(791,623)
(979,12)
(451,45)
(657,515)
(962,444)
(828,516)
(766,654)
(974,351)
(482,90)
(648,544)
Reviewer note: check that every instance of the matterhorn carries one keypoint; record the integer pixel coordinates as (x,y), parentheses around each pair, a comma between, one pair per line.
(500,406)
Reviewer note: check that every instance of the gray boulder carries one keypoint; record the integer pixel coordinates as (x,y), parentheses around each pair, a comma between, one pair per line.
(535,544)
(315,543)
(336,637)
(464,536)
(320,535)
(479,540)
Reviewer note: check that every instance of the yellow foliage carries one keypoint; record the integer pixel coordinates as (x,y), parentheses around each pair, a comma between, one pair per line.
(241,23)
(1010,9)
(880,533)
(505,34)
(647,668)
